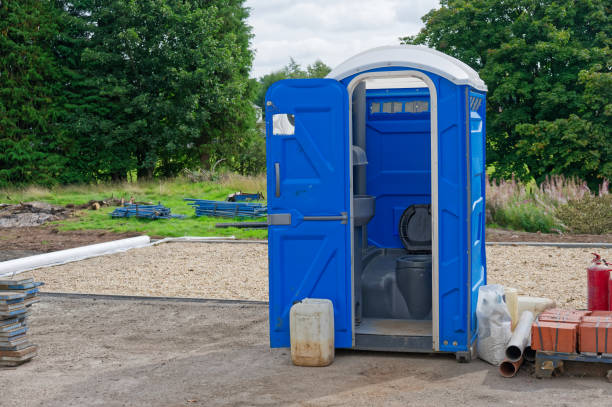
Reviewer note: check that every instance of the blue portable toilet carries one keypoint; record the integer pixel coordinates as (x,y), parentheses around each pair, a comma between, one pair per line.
(376,188)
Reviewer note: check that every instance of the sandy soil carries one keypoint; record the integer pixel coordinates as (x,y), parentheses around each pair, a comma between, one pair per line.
(240,271)
(151,353)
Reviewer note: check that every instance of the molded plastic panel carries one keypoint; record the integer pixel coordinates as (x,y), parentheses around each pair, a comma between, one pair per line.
(309,175)
(476,103)
(452,214)
(398,147)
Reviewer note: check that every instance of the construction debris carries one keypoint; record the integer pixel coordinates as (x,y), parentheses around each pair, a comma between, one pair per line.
(112,201)
(31,214)
(16,298)
(227,209)
(145,211)
(243,225)
(244,197)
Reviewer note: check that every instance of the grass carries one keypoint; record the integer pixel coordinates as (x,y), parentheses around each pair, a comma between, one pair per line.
(553,206)
(169,192)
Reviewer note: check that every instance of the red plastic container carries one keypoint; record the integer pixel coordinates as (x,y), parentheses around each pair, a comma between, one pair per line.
(598,284)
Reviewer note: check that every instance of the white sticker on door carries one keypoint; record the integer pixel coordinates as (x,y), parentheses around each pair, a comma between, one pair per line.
(283,124)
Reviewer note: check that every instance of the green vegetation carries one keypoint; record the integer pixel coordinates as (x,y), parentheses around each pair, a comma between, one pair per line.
(547,64)
(292,70)
(590,214)
(169,192)
(558,205)
(31,146)
(93,91)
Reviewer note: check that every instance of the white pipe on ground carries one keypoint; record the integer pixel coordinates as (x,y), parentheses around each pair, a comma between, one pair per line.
(16,266)
(521,337)
(194,239)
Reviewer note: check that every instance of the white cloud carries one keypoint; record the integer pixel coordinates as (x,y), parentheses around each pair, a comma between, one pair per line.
(330,30)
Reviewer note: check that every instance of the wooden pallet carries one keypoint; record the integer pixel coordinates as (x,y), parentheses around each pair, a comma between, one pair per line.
(548,363)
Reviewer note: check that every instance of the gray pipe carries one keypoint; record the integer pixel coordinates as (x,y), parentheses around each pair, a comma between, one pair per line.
(359,188)
(529,354)
(521,337)
(359,135)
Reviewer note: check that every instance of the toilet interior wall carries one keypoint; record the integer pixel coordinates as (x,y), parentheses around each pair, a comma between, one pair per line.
(398,149)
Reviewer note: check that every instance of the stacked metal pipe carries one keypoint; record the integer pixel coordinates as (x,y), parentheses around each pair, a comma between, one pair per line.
(144,211)
(223,209)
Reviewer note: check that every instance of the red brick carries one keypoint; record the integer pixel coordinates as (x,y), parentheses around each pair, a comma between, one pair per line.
(596,337)
(601,314)
(568,317)
(554,336)
(563,315)
(595,319)
(560,311)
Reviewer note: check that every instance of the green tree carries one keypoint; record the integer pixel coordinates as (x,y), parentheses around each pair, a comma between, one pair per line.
(292,70)
(163,84)
(546,64)
(31,144)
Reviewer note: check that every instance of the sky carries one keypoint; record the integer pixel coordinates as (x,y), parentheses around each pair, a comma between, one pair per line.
(329,30)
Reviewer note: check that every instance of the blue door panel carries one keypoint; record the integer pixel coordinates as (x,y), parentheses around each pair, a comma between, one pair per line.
(309,258)
(452,235)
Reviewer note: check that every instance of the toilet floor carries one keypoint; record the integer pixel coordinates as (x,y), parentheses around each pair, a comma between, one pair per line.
(401,327)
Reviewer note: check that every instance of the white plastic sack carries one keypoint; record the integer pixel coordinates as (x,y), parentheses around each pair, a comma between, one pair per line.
(494,324)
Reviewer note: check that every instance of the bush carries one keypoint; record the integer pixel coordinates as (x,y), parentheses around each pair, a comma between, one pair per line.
(525,216)
(559,204)
(590,214)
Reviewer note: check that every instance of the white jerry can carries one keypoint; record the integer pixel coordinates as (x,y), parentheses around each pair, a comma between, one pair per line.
(311,323)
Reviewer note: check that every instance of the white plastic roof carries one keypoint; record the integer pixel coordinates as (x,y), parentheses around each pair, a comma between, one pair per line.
(410,56)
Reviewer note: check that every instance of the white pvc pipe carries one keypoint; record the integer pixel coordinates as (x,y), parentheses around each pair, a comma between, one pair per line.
(17,266)
(193,239)
(521,337)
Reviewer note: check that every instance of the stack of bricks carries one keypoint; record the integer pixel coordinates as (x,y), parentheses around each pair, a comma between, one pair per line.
(556,330)
(595,334)
(16,298)
(572,331)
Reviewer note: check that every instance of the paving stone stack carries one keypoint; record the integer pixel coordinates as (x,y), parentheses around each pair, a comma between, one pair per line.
(16,298)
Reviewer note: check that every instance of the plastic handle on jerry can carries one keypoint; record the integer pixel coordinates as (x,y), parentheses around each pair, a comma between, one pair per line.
(277,176)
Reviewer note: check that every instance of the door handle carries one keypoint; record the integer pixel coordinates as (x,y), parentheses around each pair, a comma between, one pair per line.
(343,217)
(277,174)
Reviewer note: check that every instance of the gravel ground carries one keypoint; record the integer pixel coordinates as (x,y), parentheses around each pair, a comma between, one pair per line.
(240,271)
(559,274)
(207,270)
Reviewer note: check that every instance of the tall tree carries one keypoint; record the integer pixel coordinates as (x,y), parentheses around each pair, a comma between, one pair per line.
(544,62)
(163,83)
(31,144)
(292,70)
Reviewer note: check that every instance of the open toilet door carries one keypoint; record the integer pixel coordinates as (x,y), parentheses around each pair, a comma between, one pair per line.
(308,194)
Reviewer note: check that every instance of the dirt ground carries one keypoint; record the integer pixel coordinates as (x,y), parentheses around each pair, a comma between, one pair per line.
(153,353)
(501,235)
(27,241)
(17,242)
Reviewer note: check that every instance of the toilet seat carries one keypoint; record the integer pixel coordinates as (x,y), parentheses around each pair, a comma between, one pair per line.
(415,229)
